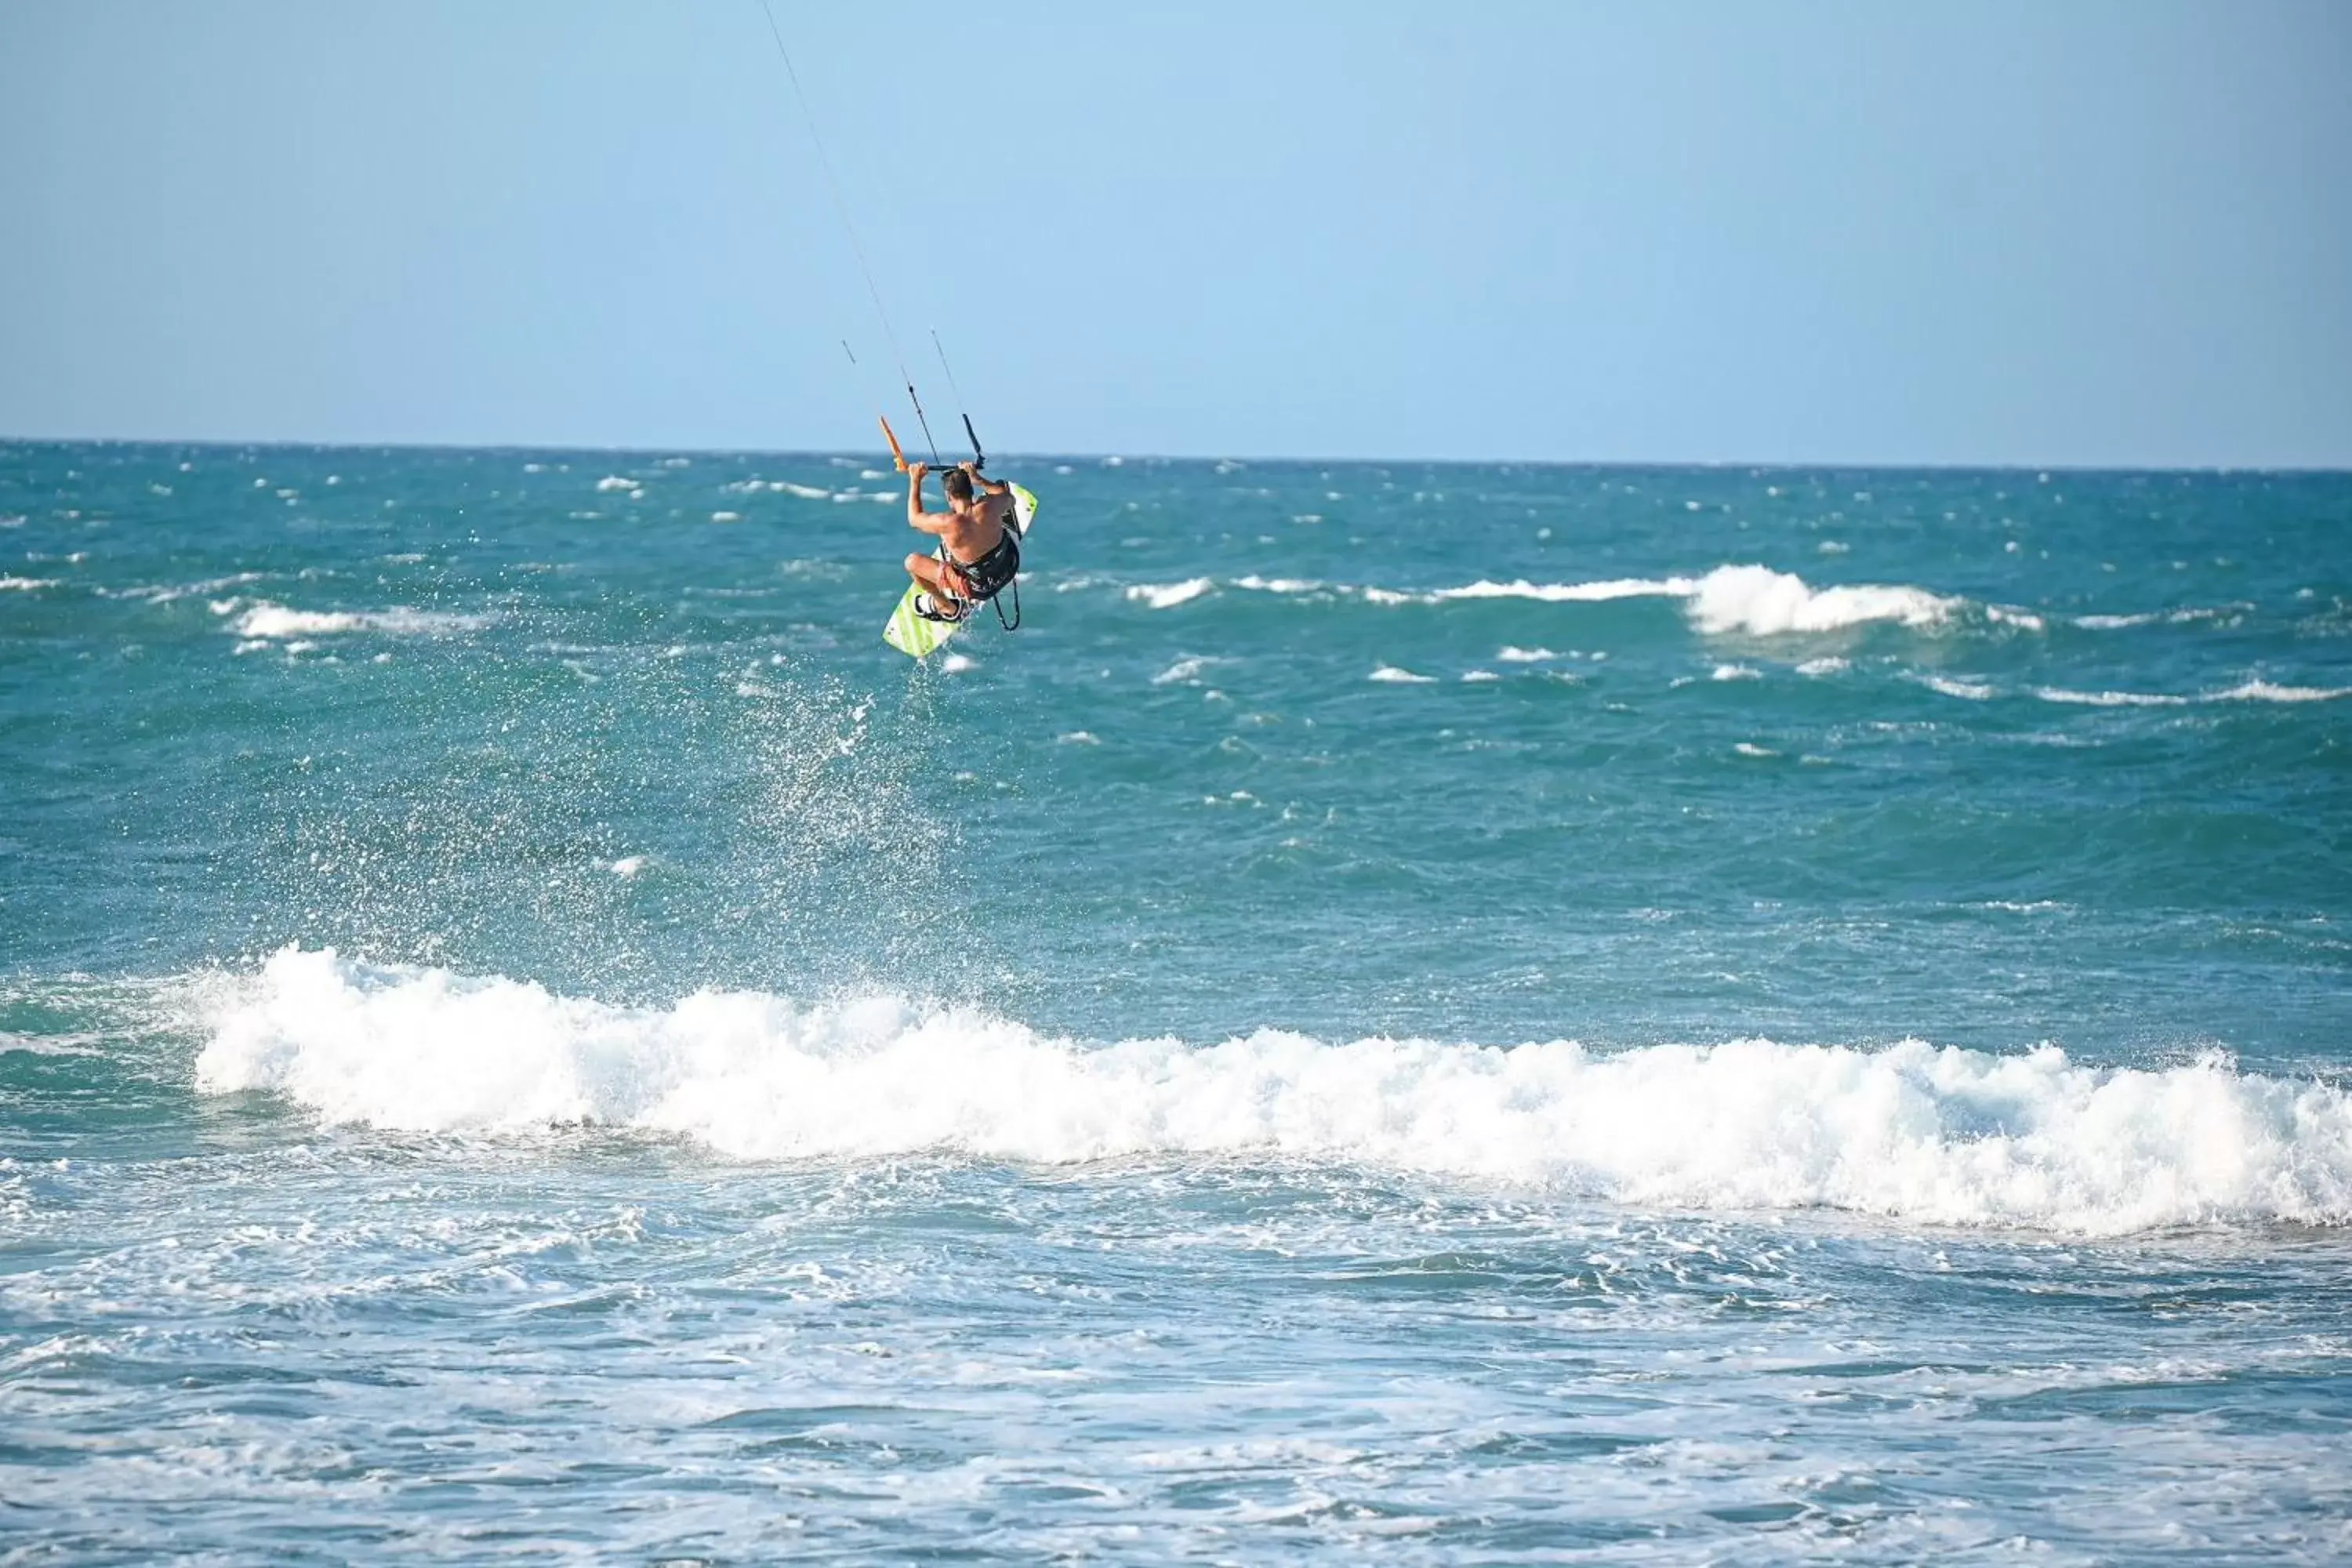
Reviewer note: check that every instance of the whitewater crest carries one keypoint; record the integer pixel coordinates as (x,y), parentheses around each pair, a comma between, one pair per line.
(1761,601)
(1925,1133)
(1753,600)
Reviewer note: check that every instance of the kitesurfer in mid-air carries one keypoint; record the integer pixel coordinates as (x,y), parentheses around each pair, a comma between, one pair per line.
(982,546)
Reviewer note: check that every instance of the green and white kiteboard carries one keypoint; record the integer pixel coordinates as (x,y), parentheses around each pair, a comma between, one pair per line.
(914,635)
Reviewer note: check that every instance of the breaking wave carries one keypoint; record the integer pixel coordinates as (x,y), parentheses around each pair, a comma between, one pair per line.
(1762,603)
(1913,1130)
(1755,601)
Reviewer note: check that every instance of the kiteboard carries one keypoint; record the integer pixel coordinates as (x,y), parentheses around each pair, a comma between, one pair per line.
(916,636)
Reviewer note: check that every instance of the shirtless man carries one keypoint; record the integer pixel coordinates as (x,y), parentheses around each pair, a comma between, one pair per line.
(982,548)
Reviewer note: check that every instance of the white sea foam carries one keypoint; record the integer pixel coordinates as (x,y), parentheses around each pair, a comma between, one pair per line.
(1818,666)
(268,620)
(276,621)
(1480,675)
(2110,699)
(27,584)
(1390,673)
(1735,672)
(2246,692)
(2264,692)
(1184,668)
(1511,655)
(1277,584)
(1928,1134)
(1167,595)
(1761,601)
(1974,691)
(1565,592)
(77,1044)
(2180,617)
(619,483)
(1754,600)
(807,492)
(955,663)
(164,594)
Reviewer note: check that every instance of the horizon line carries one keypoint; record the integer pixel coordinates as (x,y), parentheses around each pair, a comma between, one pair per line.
(1117,459)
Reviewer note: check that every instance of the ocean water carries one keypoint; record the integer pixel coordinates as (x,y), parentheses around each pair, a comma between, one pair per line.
(1430,1013)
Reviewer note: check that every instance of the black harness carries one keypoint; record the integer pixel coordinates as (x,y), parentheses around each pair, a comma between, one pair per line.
(992,573)
(990,576)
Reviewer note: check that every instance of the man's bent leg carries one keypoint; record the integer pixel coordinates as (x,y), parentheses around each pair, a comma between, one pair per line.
(931,572)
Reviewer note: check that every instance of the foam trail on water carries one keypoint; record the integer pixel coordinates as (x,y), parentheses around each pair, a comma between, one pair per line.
(2180,617)
(1167,595)
(1568,593)
(268,620)
(1939,1135)
(1753,600)
(2265,691)
(1184,668)
(2109,698)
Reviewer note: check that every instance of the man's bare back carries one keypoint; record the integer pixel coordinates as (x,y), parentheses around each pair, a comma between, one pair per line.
(974,533)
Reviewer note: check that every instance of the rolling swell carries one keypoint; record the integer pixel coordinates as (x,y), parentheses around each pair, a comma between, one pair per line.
(795,1097)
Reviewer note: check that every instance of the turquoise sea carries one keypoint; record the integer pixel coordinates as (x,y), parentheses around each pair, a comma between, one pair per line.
(1482,1013)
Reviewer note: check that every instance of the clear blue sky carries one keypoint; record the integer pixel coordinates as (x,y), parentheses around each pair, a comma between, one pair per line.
(2002,233)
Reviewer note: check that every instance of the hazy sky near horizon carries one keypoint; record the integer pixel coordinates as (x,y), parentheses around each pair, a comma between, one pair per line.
(2082,233)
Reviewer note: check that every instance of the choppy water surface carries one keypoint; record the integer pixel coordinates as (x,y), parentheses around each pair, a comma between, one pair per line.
(1452,1013)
